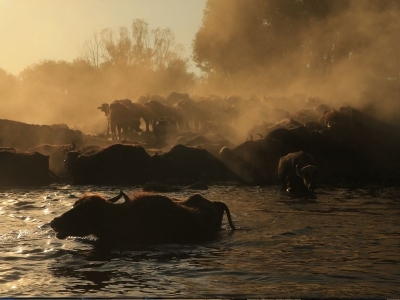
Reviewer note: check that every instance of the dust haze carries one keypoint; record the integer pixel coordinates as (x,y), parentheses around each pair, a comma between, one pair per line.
(347,55)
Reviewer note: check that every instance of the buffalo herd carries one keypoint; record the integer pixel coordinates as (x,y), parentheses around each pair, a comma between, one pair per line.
(208,139)
(161,142)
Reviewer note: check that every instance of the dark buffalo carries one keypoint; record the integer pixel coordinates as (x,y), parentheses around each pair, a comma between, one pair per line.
(161,110)
(57,155)
(164,130)
(256,161)
(23,169)
(212,143)
(175,97)
(89,149)
(144,98)
(371,145)
(251,161)
(190,164)
(123,118)
(105,107)
(194,114)
(124,115)
(297,172)
(116,164)
(139,111)
(23,136)
(143,218)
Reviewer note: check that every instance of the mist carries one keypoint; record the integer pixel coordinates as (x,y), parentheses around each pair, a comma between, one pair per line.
(340,52)
(344,52)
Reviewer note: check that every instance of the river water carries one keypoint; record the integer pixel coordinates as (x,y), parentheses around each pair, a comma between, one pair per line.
(344,242)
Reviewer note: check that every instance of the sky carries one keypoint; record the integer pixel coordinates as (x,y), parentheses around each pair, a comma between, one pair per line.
(35,30)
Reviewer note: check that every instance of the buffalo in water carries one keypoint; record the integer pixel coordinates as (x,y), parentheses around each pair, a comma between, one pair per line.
(143,218)
(23,169)
(191,164)
(131,164)
(297,172)
(56,155)
(116,164)
(256,161)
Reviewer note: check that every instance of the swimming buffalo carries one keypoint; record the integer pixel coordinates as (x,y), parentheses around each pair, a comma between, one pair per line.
(23,169)
(297,172)
(142,218)
(190,164)
(252,161)
(56,155)
(116,164)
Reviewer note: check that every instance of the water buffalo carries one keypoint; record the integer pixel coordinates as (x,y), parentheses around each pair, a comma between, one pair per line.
(116,164)
(123,117)
(57,155)
(160,110)
(193,113)
(105,107)
(254,161)
(191,164)
(138,111)
(142,218)
(165,129)
(175,97)
(297,172)
(213,143)
(23,136)
(144,98)
(23,169)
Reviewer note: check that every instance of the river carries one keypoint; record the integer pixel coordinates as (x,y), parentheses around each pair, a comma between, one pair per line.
(343,242)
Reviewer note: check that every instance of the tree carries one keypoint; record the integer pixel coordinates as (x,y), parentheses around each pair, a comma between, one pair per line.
(153,49)
(90,51)
(8,83)
(285,40)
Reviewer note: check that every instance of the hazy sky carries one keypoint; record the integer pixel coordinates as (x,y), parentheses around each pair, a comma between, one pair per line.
(33,30)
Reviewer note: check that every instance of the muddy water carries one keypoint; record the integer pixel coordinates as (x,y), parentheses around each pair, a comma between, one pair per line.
(342,242)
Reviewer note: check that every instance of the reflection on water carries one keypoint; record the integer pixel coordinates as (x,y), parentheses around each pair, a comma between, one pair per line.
(341,242)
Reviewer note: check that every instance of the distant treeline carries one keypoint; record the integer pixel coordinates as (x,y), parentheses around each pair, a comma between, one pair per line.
(338,49)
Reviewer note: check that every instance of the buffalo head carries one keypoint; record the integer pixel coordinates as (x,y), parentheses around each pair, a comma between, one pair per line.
(309,175)
(86,216)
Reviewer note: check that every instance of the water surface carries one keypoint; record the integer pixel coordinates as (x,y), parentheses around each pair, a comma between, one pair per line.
(344,242)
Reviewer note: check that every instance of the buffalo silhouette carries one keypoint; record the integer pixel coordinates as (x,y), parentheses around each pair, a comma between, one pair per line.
(142,218)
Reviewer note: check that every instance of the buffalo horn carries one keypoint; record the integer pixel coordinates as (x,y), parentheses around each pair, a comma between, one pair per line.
(116,198)
(299,171)
(127,200)
(228,214)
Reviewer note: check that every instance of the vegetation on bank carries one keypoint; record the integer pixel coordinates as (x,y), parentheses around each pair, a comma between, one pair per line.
(344,49)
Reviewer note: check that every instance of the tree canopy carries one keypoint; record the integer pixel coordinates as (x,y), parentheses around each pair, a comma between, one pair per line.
(153,49)
(281,41)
